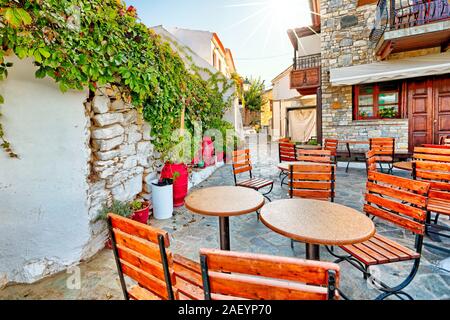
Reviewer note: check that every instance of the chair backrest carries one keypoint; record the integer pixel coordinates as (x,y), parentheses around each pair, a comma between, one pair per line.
(441,146)
(318,156)
(383,146)
(437,174)
(286,151)
(331,145)
(284,140)
(312,181)
(431,154)
(141,254)
(234,275)
(241,163)
(399,201)
(371,161)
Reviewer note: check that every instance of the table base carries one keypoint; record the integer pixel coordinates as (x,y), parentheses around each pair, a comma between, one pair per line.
(312,252)
(224,229)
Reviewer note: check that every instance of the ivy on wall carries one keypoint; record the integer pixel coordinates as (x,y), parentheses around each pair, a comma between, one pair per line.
(90,43)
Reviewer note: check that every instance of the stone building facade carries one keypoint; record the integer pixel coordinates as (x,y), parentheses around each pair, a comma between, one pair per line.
(345,42)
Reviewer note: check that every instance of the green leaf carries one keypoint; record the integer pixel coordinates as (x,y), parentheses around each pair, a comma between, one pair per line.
(2,100)
(25,17)
(40,73)
(44,52)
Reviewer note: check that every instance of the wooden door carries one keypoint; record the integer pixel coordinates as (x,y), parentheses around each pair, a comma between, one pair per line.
(420,107)
(441,92)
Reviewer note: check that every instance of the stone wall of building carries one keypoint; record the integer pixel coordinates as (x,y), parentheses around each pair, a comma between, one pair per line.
(122,158)
(345,42)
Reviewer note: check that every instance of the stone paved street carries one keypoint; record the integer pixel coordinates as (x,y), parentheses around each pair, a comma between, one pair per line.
(191,232)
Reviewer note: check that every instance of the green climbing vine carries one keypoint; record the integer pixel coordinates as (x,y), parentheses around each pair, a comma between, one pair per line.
(91,43)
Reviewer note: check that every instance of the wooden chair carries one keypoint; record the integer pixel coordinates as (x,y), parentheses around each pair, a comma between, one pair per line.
(318,156)
(431,154)
(312,181)
(238,276)
(316,181)
(242,164)
(371,161)
(332,145)
(384,151)
(286,152)
(401,202)
(438,175)
(141,253)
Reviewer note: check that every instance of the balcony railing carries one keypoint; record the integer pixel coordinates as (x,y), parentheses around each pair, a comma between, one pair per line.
(401,14)
(307,62)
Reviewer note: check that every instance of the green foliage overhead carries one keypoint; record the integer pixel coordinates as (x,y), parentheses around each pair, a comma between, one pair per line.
(90,43)
(254,96)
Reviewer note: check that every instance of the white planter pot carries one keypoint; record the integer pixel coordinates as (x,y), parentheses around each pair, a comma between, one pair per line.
(162,198)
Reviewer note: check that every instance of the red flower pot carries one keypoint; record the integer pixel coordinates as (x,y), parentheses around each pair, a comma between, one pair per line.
(179,173)
(142,215)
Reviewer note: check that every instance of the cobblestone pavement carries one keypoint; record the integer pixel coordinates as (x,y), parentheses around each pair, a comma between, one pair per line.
(191,232)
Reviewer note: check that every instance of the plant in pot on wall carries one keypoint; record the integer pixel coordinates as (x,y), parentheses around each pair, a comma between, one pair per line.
(136,210)
(388,113)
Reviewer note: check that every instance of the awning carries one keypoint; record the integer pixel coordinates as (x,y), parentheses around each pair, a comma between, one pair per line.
(391,70)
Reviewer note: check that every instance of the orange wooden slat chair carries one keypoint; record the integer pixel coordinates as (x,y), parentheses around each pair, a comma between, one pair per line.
(312,181)
(431,154)
(242,164)
(318,156)
(438,175)
(243,276)
(384,151)
(141,253)
(401,202)
(371,161)
(286,151)
(332,145)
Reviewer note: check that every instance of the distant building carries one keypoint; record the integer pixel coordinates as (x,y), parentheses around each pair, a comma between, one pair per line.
(196,49)
(208,46)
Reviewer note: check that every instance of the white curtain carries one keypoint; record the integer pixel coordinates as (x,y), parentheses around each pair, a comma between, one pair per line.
(302,124)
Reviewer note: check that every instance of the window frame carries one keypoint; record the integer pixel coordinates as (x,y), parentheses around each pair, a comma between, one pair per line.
(376,104)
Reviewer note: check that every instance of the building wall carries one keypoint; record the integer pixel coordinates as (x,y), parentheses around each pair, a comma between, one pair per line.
(345,42)
(77,152)
(44,224)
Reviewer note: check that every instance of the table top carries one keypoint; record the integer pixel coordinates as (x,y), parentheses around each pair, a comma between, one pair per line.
(404,165)
(224,201)
(284,166)
(317,222)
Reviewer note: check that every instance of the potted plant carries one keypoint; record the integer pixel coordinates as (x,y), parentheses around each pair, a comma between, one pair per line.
(162,198)
(117,207)
(141,211)
(363,115)
(388,113)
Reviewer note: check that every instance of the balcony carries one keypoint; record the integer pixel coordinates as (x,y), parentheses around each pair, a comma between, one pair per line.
(305,75)
(403,25)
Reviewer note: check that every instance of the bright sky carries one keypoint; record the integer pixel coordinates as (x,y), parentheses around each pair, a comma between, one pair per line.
(254,30)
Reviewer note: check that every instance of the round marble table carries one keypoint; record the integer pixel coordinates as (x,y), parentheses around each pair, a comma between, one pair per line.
(317,223)
(224,202)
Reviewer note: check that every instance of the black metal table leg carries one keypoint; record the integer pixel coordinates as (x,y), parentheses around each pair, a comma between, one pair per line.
(312,252)
(224,228)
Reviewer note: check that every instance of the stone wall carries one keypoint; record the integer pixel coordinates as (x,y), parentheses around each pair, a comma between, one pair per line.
(122,159)
(345,42)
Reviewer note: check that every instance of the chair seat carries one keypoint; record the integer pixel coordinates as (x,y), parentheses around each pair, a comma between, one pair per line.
(255,183)
(380,250)
(139,293)
(439,206)
(188,278)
